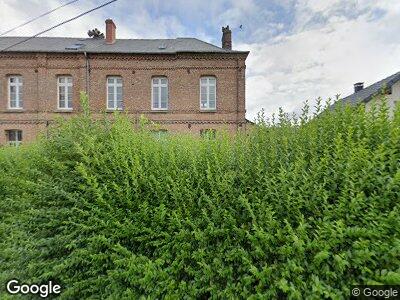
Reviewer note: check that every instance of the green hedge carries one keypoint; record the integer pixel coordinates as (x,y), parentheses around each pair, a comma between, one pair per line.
(297,208)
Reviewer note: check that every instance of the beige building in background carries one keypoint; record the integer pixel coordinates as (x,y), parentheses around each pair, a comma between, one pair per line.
(183,84)
(389,87)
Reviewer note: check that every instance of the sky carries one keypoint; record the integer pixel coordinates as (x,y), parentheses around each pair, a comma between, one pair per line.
(299,49)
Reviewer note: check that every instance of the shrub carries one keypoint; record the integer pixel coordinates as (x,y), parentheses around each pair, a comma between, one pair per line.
(295,209)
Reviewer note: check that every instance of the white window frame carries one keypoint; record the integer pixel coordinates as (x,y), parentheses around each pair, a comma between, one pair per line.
(18,84)
(208,85)
(159,86)
(17,142)
(114,86)
(65,85)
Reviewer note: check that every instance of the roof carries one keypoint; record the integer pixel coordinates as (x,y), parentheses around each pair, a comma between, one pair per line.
(128,46)
(369,92)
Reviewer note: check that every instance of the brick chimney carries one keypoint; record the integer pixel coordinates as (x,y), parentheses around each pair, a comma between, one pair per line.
(358,86)
(110,31)
(226,38)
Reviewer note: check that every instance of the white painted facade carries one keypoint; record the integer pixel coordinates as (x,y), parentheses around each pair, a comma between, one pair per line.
(392,99)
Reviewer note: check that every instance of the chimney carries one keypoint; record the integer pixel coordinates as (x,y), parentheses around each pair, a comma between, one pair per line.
(110,32)
(358,86)
(226,38)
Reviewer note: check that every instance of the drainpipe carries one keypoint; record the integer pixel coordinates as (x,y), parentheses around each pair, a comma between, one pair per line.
(237,94)
(87,69)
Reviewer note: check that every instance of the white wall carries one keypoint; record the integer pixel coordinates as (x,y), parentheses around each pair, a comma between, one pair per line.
(392,99)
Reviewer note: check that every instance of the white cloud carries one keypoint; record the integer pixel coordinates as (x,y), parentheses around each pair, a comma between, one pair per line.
(322,61)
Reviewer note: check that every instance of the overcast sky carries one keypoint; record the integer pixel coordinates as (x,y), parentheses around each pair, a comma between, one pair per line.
(300,49)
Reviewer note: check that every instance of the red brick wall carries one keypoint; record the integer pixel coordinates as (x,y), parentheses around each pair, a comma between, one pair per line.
(40,73)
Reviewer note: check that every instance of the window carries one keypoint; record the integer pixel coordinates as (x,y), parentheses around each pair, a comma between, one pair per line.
(208,133)
(159,93)
(64,92)
(114,93)
(208,93)
(14,137)
(15,92)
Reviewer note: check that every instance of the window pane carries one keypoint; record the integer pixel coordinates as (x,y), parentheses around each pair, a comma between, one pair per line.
(61,79)
(164,97)
(70,80)
(19,135)
(203,93)
(211,81)
(11,136)
(119,80)
(211,97)
(69,92)
(155,80)
(62,103)
(203,81)
(164,93)
(155,97)
(12,79)
(13,89)
(211,104)
(13,96)
(211,89)
(110,104)
(119,90)
(163,81)
(110,97)
(203,104)
(119,104)
(110,80)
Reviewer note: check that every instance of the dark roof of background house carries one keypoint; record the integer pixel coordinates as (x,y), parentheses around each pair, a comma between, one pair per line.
(367,93)
(128,46)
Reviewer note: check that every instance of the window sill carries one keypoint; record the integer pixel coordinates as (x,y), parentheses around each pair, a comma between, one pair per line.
(159,110)
(208,110)
(111,110)
(15,110)
(64,110)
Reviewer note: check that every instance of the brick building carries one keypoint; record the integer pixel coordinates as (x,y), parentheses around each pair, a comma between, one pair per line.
(183,84)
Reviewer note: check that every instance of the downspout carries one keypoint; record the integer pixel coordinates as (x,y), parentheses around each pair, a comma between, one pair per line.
(87,73)
(237,94)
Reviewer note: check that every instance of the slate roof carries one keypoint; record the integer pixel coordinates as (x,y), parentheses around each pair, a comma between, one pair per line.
(128,46)
(367,93)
